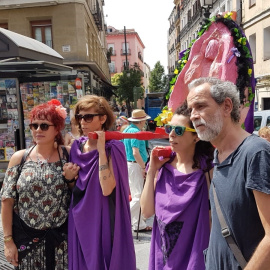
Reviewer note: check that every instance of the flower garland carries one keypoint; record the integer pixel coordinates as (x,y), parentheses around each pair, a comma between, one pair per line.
(58,108)
(244,64)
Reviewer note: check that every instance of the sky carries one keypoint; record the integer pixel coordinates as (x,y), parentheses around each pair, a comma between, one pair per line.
(149,18)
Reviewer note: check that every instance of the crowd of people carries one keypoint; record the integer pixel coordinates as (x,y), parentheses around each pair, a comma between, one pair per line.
(72,203)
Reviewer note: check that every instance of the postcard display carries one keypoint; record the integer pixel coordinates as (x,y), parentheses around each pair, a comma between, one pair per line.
(35,93)
(9,121)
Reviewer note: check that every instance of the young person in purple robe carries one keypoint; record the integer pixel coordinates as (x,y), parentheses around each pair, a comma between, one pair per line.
(176,191)
(100,235)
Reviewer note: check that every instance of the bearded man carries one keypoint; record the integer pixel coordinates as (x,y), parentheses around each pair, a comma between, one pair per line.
(240,183)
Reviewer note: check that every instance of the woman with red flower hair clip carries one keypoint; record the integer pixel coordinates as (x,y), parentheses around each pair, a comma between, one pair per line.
(35,195)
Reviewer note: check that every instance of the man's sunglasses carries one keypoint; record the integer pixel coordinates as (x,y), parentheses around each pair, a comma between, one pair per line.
(87,117)
(43,126)
(179,130)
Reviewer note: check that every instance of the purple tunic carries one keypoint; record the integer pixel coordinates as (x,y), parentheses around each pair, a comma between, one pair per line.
(100,235)
(181,226)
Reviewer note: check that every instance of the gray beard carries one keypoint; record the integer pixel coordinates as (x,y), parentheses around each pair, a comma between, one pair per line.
(212,128)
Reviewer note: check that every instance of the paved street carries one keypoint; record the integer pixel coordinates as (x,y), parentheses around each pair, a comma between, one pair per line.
(142,247)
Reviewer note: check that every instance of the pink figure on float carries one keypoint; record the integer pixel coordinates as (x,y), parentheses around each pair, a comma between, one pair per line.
(222,52)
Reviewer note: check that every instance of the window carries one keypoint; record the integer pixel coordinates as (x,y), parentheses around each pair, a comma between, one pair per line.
(4,25)
(42,31)
(112,67)
(222,9)
(266,42)
(266,103)
(124,64)
(124,48)
(112,48)
(252,3)
(123,51)
(257,122)
(252,43)
(189,15)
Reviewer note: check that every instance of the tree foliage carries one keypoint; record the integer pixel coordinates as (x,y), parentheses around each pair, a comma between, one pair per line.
(127,83)
(157,79)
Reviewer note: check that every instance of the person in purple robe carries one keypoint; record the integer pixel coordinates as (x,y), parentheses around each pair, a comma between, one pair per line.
(99,233)
(176,191)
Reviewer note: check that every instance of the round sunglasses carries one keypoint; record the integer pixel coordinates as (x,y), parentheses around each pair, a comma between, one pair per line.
(87,117)
(179,130)
(42,126)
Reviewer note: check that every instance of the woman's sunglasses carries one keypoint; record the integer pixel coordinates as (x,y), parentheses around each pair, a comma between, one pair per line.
(87,117)
(179,130)
(43,126)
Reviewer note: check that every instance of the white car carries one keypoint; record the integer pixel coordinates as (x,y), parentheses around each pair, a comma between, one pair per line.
(261,119)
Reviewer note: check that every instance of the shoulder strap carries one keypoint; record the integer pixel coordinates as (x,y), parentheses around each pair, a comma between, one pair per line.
(209,177)
(25,155)
(65,153)
(225,231)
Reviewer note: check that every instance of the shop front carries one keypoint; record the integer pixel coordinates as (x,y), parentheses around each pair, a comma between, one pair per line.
(31,73)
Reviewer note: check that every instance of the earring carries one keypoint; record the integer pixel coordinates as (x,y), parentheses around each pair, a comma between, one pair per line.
(55,144)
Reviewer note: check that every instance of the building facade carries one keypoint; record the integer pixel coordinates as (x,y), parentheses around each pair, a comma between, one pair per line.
(75,29)
(172,42)
(125,48)
(255,21)
(185,23)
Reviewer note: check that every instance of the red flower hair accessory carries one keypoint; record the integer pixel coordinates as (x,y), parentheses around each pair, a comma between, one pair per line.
(55,102)
(59,108)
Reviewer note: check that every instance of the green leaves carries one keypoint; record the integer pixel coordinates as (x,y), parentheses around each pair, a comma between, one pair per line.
(157,81)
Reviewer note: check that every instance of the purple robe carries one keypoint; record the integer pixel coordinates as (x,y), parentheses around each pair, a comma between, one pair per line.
(181,225)
(100,235)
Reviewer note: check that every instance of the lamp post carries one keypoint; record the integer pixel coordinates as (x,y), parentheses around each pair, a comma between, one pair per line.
(126,69)
(206,5)
(125,36)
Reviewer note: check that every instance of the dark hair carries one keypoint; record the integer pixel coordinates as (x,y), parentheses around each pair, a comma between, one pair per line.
(48,112)
(203,150)
(100,104)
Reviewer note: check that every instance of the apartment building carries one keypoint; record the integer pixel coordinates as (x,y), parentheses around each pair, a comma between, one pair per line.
(125,46)
(75,29)
(255,21)
(185,23)
(172,42)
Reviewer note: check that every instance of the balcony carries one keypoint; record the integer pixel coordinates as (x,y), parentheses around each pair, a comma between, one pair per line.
(172,27)
(124,52)
(113,70)
(140,56)
(196,15)
(113,52)
(171,50)
(96,12)
(183,31)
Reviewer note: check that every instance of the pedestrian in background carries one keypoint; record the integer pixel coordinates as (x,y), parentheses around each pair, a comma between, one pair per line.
(240,188)
(35,197)
(100,235)
(73,134)
(264,133)
(136,159)
(123,111)
(176,191)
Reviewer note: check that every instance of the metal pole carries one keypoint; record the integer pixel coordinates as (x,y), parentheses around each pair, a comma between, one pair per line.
(126,67)
(140,212)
